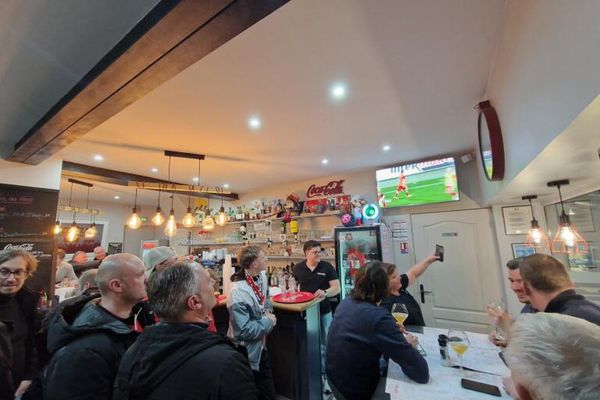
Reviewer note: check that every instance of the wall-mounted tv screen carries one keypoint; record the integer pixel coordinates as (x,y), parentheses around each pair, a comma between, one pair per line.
(415,184)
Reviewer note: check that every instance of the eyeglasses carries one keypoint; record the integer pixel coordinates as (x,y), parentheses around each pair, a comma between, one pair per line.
(20,273)
(316,251)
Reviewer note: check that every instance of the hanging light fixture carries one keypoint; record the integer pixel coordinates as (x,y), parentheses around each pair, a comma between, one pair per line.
(536,237)
(188,219)
(171,226)
(134,221)
(208,223)
(221,217)
(158,218)
(566,239)
(73,232)
(57,228)
(91,231)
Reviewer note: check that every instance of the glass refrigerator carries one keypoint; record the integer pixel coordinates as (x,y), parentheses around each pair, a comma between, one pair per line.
(354,247)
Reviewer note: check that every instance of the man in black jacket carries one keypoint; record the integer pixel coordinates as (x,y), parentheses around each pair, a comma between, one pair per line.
(87,345)
(18,361)
(550,289)
(179,358)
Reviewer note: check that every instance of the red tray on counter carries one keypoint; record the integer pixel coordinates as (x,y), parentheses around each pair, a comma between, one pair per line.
(292,298)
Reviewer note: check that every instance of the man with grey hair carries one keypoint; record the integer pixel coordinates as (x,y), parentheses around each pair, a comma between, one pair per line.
(87,282)
(549,288)
(179,355)
(554,357)
(87,342)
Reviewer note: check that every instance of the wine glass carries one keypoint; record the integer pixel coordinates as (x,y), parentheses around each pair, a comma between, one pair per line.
(495,310)
(400,313)
(459,341)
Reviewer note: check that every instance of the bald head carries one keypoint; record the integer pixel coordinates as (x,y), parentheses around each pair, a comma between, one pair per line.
(117,267)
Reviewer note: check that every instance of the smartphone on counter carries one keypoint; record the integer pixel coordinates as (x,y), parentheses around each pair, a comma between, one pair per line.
(439,252)
(480,387)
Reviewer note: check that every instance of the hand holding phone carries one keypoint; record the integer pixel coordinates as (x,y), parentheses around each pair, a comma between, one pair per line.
(480,387)
(439,252)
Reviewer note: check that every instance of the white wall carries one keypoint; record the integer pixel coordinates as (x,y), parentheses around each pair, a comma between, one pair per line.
(505,247)
(545,73)
(45,175)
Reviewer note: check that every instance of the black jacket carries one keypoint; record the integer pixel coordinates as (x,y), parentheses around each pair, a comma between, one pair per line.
(183,361)
(86,349)
(27,302)
(575,305)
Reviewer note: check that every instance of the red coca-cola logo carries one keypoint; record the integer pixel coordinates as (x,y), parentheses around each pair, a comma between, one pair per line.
(333,187)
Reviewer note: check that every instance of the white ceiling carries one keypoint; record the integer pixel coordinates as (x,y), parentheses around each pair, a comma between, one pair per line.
(574,155)
(413,69)
(46,47)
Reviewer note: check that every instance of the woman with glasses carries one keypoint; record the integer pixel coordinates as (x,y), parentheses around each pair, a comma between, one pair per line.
(17,323)
(250,315)
(362,332)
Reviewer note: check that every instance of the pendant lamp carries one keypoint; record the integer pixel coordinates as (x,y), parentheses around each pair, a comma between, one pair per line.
(73,232)
(158,218)
(536,237)
(171,226)
(567,239)
(91,231)
(134,221)
(221,218)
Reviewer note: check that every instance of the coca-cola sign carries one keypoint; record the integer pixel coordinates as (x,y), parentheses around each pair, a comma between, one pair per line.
(22,246)
(331,188)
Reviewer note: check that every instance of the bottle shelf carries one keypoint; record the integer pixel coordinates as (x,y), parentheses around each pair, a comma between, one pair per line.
(199,244)
(301,216)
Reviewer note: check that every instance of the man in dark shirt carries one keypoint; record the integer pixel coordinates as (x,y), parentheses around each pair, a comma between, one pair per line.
(549,288)
(17,323)
(319,277)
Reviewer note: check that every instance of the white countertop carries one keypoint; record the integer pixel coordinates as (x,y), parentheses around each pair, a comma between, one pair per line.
(444,382)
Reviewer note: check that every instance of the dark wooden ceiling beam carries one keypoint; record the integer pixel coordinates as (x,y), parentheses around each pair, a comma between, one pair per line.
(173,36)
(89,172)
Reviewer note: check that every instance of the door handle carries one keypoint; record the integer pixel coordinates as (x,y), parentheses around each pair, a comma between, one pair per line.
(423,293)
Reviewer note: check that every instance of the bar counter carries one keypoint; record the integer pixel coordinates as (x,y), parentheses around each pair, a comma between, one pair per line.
(294,348)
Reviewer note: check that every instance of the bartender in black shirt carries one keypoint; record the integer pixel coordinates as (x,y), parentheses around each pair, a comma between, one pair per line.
(319,277)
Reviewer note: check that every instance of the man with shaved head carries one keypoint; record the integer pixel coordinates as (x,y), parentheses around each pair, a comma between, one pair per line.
(87,342)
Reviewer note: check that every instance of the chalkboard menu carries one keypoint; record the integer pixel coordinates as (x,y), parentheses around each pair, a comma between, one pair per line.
(27,216)
(27,212)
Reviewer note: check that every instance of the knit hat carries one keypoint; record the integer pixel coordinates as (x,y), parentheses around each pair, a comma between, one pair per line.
(156,256)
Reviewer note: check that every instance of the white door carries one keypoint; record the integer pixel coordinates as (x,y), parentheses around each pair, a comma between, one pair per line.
(456,291)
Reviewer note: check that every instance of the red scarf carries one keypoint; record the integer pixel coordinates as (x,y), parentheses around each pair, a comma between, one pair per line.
(255,288)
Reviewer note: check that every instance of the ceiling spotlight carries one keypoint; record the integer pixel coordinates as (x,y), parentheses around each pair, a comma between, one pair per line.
(254,123)
(196,179)
(338,91)
(117,197)
(324,161)
(154,169)
(386,147)
(226,185)
(98,157)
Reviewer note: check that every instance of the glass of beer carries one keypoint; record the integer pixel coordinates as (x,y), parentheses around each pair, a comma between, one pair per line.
(459,341)
(400,313)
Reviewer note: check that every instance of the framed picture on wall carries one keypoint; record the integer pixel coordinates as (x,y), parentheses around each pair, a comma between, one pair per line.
(522,250)
(517,220)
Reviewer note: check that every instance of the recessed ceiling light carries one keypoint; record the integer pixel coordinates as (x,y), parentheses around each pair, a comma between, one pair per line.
(338,91)
(195,179)
(98,157)
(386,147)
(154,169)
(254,123)
(117,197)
(226,185)
(324,161)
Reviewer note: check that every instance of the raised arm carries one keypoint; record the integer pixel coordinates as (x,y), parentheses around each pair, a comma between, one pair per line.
(417,270)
